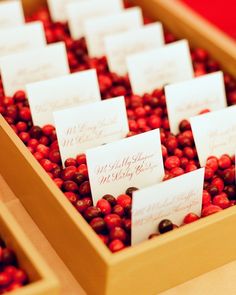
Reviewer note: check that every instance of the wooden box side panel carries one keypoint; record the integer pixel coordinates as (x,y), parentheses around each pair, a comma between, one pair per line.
(174,258)
(65,229)
(185,23)
(42,280)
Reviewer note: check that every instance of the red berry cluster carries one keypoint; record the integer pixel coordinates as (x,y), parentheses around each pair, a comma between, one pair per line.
(11,276)
(144,113)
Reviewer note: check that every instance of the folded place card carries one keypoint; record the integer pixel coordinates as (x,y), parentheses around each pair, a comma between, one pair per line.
(215,133)
(132,162)
(156,68)
(78,12)
(172,199)
(21,38)
(11,14)
(26,67)
(88,126)
(119,46)
(57,9)
(188,98)
(97,29)
(45,97)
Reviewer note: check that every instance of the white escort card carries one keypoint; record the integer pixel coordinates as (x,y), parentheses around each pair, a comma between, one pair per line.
(215,133)
(57,9)
(45,97)
(132,162)
(97,29)
(26,67)
(119,46)
(11,14)
(83,127)
(21,38)
(189,98)
(80,11)
(156,68)
(172,199)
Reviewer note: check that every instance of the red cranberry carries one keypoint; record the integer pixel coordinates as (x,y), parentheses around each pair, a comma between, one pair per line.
(112,220)
(221,200)
(212,162)
(165,226)
(104,206)
(119,210)
(92,212)
(118,233)
(25,114)
(191,217)
(81,159)
(230,190)
(209,210)
(47,165)
(116,245)
(130,191)
(79,178)
(219,183)
(5,280)
(68,173)
(224,162)
(206,198)
(84,188)
(36,132)
(126,222)
(229,176)
(20,277)
(172,162)
(19,96)
(82,205)
(124,200)
(184,125)
(72,197)
(8,257)
(70,186)
(48,130)
(110,199)
(70,162)
(98,224)
(83,169)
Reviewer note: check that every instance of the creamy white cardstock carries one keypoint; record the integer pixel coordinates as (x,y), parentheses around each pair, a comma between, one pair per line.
(156,68)
(11,14)
(26,67)
(188,98)
(172,199)
(215,133)
(45,97)
(80,11)
(21,38)
(132,162)
(57,9)
(98,28)
(119,46)
(88,126)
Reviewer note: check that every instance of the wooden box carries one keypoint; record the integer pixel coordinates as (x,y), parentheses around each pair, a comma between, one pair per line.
(42,281)
(152,266)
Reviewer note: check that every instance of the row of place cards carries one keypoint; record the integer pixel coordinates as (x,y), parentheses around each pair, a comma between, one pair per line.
(85,124)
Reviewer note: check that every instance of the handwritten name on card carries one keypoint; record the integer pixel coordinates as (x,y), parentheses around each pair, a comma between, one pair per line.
(45,97)
(21,38)
(11,14)
(78,12)
(134,161)
(215,133)
(119,46)
(188,98)
(84,127)
(155,68)
(172,199)
(23,68)
(97,29)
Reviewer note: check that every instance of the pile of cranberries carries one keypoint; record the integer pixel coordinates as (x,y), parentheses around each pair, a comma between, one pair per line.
(11,276)
(110,217)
